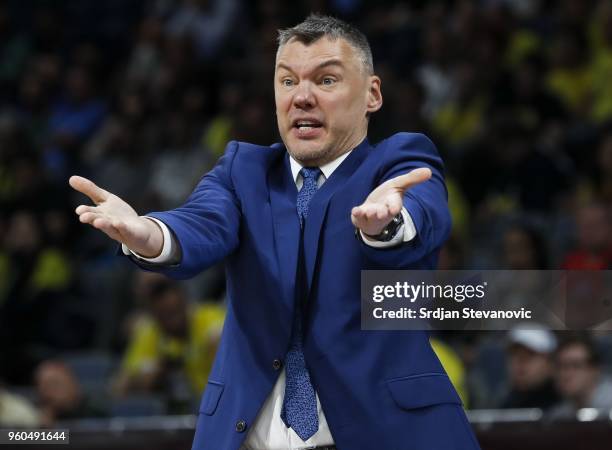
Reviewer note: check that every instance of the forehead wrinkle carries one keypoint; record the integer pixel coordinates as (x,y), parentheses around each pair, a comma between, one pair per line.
(340,48)
(334,61)
(340,51)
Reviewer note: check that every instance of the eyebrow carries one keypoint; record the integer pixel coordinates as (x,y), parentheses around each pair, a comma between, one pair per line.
(329,62)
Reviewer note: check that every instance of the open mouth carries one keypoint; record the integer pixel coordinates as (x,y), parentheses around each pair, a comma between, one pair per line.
(307,124)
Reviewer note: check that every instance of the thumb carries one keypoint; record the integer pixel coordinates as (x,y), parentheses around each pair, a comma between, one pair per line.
(406,181)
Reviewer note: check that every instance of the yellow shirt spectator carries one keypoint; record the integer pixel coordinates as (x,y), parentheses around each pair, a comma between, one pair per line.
(150,346)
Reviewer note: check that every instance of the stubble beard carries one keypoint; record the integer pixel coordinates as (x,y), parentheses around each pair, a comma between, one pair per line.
(317,156)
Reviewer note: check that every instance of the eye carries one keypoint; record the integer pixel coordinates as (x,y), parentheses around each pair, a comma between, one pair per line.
(328,81)
(287,82)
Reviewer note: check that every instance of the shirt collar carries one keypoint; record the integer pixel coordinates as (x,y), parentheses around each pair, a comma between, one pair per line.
(327,169)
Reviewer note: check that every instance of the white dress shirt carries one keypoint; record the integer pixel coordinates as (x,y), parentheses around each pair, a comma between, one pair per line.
(269,432)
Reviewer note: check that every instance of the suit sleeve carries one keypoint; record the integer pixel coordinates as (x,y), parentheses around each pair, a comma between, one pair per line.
(427,203)
(206,226)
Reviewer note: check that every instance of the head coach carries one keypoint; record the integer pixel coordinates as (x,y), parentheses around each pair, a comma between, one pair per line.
(296,223)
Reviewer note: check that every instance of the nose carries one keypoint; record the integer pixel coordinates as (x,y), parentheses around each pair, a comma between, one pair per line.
(304,97)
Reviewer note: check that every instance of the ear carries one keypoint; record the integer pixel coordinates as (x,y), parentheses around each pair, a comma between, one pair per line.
(374,99)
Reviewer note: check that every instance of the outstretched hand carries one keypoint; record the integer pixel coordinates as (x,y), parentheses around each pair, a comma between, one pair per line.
(117,219)
(386,201)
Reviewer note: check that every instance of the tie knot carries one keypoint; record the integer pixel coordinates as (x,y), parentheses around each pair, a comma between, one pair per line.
(310,173)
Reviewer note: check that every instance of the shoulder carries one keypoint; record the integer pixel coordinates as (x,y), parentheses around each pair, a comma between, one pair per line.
(246,150)
(408,150)
(249,157)
(408,141)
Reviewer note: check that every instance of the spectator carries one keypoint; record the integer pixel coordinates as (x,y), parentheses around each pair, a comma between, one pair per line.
(60,396)
(172,347)
(530,367)
(524,248)
(34,281)
(580,379)
(593,250)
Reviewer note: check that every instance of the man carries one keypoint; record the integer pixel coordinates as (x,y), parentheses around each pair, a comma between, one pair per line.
(294,369)
(172,347)
(60,395)
(530,367)
(579,378)
(593,246)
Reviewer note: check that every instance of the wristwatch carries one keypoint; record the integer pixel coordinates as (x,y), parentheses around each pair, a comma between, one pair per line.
(388,232)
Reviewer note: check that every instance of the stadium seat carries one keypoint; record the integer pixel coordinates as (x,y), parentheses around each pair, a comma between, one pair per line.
(138,405)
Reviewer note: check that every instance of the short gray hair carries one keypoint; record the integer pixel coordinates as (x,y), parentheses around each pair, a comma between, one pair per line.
(316,26)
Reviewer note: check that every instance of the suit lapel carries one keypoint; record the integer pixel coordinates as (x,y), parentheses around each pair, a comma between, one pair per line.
(283,196)
(317,211)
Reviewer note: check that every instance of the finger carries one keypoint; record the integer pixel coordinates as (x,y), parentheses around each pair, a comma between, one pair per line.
(103,224)
(379,211)
(394,205)
(411,179)
(85,208)
(363,211)
(357,216)
(383,213)
(89,217)
(358,211)
(371,211)
(89,188)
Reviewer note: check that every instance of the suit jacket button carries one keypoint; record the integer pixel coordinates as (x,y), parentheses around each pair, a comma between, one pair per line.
(240,426)
(277,364)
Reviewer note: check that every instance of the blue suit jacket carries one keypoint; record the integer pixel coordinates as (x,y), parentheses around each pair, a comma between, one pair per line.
(379,389)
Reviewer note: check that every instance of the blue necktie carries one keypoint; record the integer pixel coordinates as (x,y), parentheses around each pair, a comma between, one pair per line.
(300,404)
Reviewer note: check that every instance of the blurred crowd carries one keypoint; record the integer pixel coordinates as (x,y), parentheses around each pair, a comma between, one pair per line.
(142,96)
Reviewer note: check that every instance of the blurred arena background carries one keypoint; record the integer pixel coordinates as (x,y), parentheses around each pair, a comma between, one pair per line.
(142,96)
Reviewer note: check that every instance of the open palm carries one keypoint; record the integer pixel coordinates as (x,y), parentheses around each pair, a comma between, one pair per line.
(386,201)
(117,219)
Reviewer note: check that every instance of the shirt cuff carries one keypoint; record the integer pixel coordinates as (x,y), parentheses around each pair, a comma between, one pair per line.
(167,248)
(405,233)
